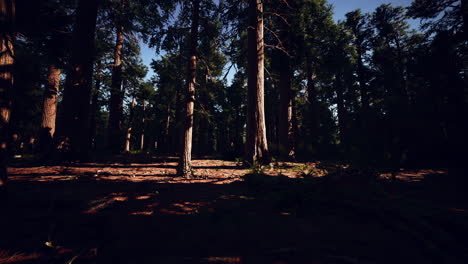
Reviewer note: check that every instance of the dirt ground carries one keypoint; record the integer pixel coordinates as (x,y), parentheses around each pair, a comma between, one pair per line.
(139,212)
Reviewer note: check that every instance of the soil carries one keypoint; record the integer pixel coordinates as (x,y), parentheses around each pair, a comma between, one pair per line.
(140,212)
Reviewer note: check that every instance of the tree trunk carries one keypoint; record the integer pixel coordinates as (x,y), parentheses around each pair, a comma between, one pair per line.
(313,119)
(128,135)
(94,105)
(341,111)
(286,101)
(362,83)
(143,123)
(49,110)
(256,147)
(78,89)
(116,98)
(167,128)
(7,14)
(185,166)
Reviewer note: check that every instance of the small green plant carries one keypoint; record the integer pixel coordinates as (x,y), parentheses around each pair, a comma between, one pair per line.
(257,168)
(238,161)
(307,171)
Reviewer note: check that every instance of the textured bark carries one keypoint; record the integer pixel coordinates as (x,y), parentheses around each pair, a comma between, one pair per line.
(49,109)
(116,98)
(7,14)
(78,89)
(286,135)
(95,106)
(185,162)
(128,135)
(256,147)
(143,124)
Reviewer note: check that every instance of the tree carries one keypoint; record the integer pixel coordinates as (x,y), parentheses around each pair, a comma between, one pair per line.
(116,95)
(7,13)
(356,23)
(447,22)
(256,143)
(79,80)
(185,165)
(284,55)
(49,112)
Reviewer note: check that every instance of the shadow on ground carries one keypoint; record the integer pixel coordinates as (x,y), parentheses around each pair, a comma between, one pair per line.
(256,219)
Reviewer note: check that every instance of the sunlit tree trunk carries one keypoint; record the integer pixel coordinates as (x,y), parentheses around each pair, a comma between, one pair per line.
(49,109)
(7,14)
(79,80)
(128,135)
(116,98)
(143,123)
(185,165)
(256,147)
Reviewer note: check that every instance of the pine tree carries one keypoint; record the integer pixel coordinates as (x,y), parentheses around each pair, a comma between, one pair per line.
(256,143)
(116,94)
(79,80)
(185,162)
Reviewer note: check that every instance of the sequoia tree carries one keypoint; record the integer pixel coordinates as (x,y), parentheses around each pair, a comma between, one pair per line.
(185,162)
(79,80)
(116,94)
(256,147)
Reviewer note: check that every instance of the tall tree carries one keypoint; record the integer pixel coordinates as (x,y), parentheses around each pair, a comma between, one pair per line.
(286,137)
(128,135)
(79,80)
(447,21)
(389,56)
(49,111)
(7,19)
(116,94)
(356,23)
(185,162)
(256,146)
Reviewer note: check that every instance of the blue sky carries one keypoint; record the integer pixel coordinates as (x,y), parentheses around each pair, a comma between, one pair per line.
(341,7)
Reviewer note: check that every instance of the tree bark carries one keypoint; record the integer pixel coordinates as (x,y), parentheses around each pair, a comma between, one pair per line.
(286,102)
(116,98)
(78,89)
(143,123)
(128,135)
(49,109)
(256,142)
(94,105)
(185,166)
(7,14)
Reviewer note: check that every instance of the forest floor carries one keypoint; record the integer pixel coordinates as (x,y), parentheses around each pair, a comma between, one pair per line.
(138,212)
